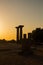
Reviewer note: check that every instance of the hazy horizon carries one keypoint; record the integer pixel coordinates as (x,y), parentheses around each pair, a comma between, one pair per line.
(18,12)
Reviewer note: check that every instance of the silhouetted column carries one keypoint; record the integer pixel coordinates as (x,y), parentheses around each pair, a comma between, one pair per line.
(24,36)
(17,33)
(29,35)
(21,31)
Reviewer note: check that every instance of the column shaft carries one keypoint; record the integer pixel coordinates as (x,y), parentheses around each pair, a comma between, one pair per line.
(17,36)
(21,33)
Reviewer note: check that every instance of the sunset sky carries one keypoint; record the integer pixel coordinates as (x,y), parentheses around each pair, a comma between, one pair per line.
(18,12)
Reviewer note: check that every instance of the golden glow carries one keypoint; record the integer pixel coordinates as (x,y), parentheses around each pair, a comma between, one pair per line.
(1,27)
(6,31)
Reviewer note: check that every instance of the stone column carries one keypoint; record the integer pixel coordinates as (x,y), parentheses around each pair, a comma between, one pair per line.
(24,36)
(21,31)
(17,36)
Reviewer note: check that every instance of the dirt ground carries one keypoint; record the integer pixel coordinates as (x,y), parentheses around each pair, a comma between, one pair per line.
(9,56)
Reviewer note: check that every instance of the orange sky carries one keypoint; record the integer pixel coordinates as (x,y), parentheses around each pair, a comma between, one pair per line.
(18,12)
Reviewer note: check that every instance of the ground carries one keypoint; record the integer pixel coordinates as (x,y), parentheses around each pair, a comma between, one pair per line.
(9,56)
